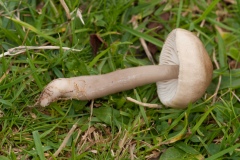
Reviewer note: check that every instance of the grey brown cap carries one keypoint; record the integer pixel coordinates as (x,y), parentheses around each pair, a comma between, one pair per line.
(185,49)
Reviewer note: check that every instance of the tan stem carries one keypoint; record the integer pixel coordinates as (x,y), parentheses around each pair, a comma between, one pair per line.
(96,86)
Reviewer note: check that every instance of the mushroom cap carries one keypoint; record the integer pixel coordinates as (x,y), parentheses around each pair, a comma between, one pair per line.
(185,49)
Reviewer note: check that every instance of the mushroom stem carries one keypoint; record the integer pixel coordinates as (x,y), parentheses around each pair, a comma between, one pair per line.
(96,86)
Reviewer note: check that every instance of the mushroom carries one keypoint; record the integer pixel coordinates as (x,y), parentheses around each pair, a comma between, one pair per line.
(182,76)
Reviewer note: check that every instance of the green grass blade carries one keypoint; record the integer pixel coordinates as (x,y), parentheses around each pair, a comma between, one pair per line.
(142,109)
(11,35)
(42,15)
(142,35)
(34,72)
(180,135)
(200,121)
(38,145)
(4,158)
(6,102)
(223,152)
(179,13)
(222,25)
(205,13)
(57,72)
(18,80)
(20,90)
(221,51)
(95,60)
(35,30)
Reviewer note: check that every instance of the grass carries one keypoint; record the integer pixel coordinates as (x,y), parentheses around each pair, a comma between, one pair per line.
(112,127)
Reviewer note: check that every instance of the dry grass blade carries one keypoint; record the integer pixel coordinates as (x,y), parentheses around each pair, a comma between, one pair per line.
(79,14)
(1,113)
(66,9)
(4,75)
(219,80)
(124,145)
(236,96)
(135,25)
(90,129)
(65,140)
(144,104)
(21,49)
(131,150)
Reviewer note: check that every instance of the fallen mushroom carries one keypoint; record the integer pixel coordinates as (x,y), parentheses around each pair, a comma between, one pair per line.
(183,74)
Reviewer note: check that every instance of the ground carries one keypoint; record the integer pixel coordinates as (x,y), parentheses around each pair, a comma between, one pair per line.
(74,38)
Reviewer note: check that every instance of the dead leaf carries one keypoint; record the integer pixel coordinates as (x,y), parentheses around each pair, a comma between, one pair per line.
(152,48)
(159,26)
(165,16)
(97,42)
(234,64)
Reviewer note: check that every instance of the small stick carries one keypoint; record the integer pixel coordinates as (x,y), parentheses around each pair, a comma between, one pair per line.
(65,140)
(144,104)
(22,49)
